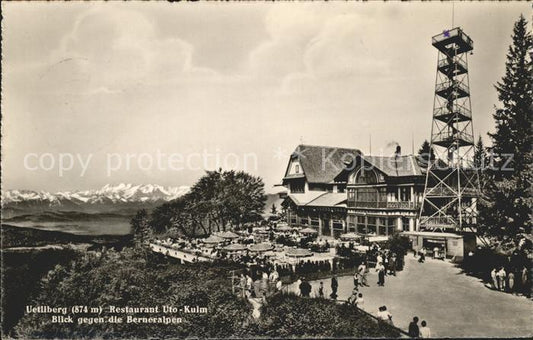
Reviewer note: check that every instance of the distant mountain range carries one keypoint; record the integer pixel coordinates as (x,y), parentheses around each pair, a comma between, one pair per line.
(109,198)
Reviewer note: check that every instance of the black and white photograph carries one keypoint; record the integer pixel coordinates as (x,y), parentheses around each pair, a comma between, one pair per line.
(257,170)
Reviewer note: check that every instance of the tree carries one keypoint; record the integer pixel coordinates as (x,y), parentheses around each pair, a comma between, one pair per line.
(140,227)
(128,278)
(426,152)
(480,161)
(217,200)
(513,134)
(507,209)
(274,210)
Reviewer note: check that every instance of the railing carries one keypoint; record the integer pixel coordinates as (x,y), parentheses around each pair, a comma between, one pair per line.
(439,221)
(445,62)
(451,33)
(182,254)
(445,136)
(456,108)
(384,205)
(402,205)
(451,84)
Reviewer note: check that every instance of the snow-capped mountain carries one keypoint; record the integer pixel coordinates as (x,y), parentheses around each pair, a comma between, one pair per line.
(110,196)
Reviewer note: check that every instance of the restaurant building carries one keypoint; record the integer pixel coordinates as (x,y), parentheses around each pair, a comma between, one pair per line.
(339,190)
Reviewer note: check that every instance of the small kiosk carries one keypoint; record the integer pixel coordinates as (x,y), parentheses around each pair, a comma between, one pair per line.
(441,244)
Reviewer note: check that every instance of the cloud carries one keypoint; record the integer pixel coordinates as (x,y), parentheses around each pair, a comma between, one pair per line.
(338,50)
(115,49)
(289,30)
(311,47)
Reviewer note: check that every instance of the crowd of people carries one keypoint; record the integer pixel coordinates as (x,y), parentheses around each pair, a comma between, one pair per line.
(266,283)
(512,281)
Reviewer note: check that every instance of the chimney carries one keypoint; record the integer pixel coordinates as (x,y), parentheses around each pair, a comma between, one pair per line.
(398,151)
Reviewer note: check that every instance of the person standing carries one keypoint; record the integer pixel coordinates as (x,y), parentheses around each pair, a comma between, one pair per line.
(526,289)
(393,261)
(305,288)
(249,286)
(356,280)
(425,332)
(334,287)
(381,274)
(422,255)
(501,278)
(362,270)
(298,283)
(510,279)
(414,331)
(494,278)
(321,290)
(379,259)
(242,285)
(278,285)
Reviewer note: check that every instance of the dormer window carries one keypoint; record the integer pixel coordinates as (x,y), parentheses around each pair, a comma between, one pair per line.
(297,168)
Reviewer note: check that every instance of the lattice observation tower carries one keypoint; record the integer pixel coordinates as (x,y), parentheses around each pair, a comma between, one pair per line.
(452,183)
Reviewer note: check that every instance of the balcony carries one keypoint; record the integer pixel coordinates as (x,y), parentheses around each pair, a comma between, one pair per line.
(383,205)
(452,90)
(448,138)
(457,113)
(438,222)
(452,66)
(453,42)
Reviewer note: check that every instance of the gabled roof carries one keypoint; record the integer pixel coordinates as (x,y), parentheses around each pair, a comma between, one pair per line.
(319,199)
(396,166)
(304,198)
(329,199)
(401,166)
(321,164)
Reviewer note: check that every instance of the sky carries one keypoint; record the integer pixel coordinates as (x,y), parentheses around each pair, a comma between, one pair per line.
(153,92)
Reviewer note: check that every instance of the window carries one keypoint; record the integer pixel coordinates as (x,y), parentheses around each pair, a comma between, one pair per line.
(405,194)
(297,186)
(351,223)
(366,197)
(297,168)
(365,176)
(337,224)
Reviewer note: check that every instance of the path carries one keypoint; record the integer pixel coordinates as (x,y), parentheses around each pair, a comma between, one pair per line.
(452,303)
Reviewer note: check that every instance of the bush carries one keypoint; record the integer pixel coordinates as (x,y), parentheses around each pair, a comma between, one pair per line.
(138,278)
(289,316)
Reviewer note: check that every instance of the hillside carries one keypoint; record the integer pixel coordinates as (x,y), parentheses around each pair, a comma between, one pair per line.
(30,237)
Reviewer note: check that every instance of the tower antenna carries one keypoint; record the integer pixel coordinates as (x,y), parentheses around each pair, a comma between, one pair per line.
(453,13)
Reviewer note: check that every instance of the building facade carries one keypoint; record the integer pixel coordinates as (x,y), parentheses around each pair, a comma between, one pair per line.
(339,190)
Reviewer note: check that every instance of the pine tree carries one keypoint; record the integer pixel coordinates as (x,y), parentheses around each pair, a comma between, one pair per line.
(513,134)
(140,227)
(480,161)
(274,210)
(507,210)
(426,152)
